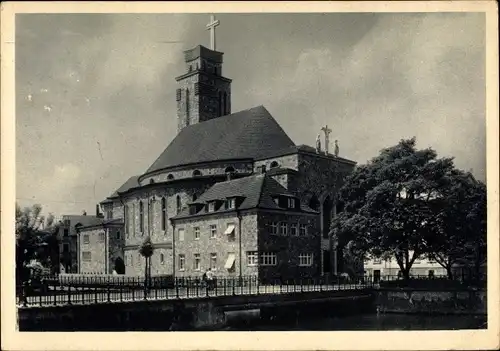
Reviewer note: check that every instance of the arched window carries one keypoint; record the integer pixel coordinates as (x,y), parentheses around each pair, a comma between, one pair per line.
(163,213)
(179,205)
(229,170)
(274,164)
(141,216)
(125,219)
(151,181)
(196,173)
(162,258)
(170,177)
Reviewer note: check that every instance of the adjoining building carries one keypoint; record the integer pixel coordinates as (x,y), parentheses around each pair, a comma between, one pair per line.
(68,239)
(251,226)
(212,143)
(379,268)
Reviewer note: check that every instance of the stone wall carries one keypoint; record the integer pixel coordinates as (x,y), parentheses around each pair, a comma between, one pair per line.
(161,239)
(288,161)
(289,247)
(222,245)
(405,300)
(187,314)
(97,248)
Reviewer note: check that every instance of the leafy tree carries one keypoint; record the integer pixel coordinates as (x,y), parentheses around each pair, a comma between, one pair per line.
(36,237)
(459,235)
(391,204)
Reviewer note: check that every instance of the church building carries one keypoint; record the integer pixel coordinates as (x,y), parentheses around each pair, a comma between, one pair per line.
(231,192)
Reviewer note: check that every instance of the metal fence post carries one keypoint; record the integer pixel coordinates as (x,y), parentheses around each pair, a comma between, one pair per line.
(69,294)
(176,282)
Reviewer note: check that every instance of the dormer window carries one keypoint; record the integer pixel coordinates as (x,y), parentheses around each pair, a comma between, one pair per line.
(291,202)
(231,203)
(277,200)
(211,206)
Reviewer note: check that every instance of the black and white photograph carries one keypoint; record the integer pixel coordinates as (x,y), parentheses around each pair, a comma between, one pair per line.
(251,171)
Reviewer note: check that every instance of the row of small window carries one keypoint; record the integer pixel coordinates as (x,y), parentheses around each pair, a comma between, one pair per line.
(230,229)
(281,228)
(101,238)
(253,258)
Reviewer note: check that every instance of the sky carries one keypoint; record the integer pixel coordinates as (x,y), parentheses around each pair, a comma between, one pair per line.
(95,93)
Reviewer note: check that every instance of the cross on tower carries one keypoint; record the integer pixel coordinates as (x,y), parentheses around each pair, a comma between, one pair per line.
(327,132)
(211,27)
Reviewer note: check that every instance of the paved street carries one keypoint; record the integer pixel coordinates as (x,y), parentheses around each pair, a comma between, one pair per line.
(87,296)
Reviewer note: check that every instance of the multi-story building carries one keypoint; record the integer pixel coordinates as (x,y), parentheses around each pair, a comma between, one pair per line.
(250,226)
(68,239)
(211,144)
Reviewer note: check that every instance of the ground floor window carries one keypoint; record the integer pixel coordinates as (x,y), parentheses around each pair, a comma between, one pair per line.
(182,262)
(197,262)
(213,261)
(305,259)
(162,258)
(268,259)
(431,273)
(252,258)
(86,255)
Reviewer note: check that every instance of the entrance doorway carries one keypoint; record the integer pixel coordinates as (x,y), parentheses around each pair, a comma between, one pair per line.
(327,265)
(376,276)
(119,266)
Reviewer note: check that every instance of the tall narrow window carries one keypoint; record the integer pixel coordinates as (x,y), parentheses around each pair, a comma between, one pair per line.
(187,106)
(179,205)
(224,104)
(133,218)
(141,217)
(126,220)
(163,213)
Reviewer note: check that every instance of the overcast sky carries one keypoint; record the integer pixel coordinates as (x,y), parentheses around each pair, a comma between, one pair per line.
(96,93)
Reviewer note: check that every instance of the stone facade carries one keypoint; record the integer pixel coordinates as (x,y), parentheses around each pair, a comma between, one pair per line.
(101,249)
(202,93)
(251,235)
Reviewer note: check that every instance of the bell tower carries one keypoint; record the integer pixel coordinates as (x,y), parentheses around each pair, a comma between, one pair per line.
(202,93)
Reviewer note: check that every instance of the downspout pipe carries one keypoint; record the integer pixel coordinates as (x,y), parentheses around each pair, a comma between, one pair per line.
(238,214)
(172,222)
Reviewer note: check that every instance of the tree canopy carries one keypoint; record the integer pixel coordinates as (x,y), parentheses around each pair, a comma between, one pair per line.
(398,205)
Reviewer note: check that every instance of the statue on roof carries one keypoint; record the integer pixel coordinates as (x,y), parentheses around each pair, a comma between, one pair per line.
(318,144)
(336,148)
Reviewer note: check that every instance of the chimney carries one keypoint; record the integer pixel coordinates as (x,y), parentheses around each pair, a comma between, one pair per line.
(229,175)
(263,169)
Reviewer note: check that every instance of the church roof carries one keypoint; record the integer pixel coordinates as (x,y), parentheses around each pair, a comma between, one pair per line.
(132,182)
(83,220)
(248,134)
(256,191)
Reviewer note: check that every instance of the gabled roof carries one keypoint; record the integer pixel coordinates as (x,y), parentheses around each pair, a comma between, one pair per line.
(248,134)
(257,191)
(102,222)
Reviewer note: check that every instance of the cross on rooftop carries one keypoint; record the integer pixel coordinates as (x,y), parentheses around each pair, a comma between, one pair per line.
(211,27)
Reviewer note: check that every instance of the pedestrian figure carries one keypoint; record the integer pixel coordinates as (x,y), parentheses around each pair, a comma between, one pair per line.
(210,277)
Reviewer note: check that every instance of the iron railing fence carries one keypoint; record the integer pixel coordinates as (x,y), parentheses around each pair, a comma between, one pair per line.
(94,289)
(83,289)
